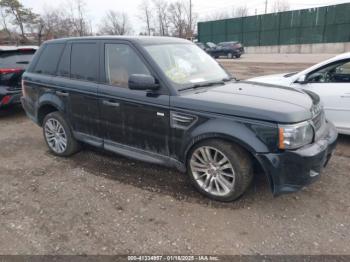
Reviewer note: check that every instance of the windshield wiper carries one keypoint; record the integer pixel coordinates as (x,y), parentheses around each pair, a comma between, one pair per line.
(228,79)
(206,84)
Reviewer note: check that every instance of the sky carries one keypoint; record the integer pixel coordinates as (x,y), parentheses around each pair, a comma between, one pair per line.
(97,8)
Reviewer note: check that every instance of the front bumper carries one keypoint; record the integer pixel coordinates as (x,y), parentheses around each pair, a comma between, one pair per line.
(291,170)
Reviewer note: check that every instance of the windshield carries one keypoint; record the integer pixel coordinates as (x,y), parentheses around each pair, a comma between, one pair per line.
(186,64)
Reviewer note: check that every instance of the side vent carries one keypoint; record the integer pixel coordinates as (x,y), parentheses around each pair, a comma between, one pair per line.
(181,120)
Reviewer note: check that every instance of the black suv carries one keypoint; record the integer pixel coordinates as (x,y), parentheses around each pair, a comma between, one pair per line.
(165,101)
(13,61)
(226,49)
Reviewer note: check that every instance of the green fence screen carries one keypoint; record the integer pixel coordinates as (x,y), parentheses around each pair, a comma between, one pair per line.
(328,24)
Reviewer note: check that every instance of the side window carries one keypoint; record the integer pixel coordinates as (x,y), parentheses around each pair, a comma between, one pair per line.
(338,72)
(48,60)
(121,62)
(84,61)
(64,64)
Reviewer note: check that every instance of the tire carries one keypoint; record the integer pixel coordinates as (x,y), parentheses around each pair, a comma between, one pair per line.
(56,128)
(229,56)
(237,56)
(237,157)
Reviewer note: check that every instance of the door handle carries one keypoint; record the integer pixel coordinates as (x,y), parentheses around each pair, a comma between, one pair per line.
(347,95)
(110,103)
(62,93)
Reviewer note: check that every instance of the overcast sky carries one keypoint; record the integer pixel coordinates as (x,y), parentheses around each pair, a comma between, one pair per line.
(97,8)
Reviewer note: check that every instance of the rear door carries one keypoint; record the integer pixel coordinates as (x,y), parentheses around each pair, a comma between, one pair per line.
(76,83)
(138,119)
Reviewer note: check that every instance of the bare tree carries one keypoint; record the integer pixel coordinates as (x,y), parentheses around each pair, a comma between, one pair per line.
(115,23)
(146,15)
(280,6)
(4,22)
(178,18)
(240,11)
(78,17)
(162,17)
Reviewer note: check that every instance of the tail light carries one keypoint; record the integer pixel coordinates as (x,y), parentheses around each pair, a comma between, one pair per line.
(10,70)
(5,100)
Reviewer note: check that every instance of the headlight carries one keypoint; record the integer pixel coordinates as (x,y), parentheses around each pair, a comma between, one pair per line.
(295,136)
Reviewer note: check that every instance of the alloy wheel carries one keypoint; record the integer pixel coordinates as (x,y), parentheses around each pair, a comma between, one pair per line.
(55,135)
(212,171)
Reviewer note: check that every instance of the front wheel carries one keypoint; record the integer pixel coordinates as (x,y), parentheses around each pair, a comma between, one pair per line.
(220,170)
(58,135)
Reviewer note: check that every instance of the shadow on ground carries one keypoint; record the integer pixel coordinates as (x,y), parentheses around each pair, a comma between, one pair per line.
(158,179)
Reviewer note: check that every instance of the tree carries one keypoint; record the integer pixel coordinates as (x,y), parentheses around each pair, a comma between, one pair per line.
(115,23)
(162,17)
(21,16)
(280,6)
(146,15)
(78,18)
(240,11)
(4,22)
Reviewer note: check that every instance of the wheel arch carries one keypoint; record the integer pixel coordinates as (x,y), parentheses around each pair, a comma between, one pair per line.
(257,164)
(47,104)
(237,132)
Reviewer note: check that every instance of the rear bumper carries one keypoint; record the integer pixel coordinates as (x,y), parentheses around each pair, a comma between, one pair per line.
(8,97)
(29,109)
(292,170)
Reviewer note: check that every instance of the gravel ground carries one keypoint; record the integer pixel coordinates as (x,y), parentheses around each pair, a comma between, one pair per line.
(100,203)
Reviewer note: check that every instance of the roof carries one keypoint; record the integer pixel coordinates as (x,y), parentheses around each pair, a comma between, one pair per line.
(143,40)
(15,48)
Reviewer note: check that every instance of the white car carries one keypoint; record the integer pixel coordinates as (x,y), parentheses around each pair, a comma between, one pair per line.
(330,80)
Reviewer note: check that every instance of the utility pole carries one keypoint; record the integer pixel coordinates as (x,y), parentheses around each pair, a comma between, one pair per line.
(265,6)
(191,19)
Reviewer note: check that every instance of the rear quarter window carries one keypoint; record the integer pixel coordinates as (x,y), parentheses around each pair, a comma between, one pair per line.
(48,60)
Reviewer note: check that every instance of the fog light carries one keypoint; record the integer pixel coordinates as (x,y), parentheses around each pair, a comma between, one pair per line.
(314,173)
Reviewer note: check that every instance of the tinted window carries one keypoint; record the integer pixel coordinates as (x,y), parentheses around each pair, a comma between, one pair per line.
(121,61)
(17,58)
(64,64)
(84,61)
(48,60)
(338,72)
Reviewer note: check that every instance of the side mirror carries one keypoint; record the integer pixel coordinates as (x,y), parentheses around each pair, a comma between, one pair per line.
(142,82)
(301,79)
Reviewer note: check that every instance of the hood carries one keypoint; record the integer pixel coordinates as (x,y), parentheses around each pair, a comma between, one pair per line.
(249,100)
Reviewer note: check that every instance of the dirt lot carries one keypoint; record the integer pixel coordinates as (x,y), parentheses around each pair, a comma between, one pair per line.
(100,203)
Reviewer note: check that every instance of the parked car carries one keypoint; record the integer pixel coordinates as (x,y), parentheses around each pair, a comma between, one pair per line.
(13,62)
(201,45)
(330,80)
(165,101)
(228,49)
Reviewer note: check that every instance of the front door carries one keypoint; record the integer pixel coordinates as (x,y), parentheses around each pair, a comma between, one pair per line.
(332,84)
(136,119)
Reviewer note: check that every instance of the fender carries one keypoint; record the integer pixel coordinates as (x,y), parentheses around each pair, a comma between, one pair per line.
(243,133)
(51,99)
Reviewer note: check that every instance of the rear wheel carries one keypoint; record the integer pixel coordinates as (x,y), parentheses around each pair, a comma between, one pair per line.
(220,170)
(58,135)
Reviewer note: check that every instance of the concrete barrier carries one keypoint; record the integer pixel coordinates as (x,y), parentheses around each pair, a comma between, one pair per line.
(328,48)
